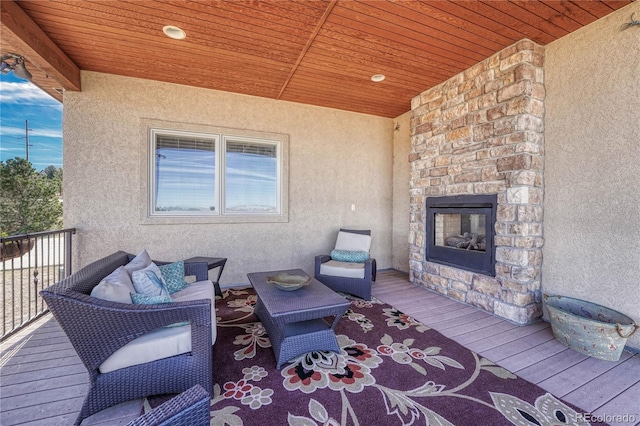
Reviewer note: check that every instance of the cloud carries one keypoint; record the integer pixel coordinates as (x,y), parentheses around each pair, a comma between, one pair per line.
(48,133)
(19,132)
(24,93)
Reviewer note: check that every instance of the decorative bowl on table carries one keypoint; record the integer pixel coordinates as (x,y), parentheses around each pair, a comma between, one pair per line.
(289,282)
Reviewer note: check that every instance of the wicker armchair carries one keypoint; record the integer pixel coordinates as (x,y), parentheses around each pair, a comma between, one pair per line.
(353,278)
(190,408)
(97,328)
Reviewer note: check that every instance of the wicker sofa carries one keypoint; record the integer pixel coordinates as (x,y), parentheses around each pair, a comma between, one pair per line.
(98,329)
(190,408)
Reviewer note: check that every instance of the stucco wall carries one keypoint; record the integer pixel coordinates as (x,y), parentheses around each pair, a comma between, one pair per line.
(592,179)
(336,159)
(401,176)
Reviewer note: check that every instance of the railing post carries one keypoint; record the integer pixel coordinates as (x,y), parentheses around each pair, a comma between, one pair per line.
(68,252)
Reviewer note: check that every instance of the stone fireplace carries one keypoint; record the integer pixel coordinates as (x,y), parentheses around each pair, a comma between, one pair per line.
(481,133)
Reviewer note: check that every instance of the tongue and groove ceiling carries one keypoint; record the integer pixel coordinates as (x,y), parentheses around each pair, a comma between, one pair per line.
(318,52)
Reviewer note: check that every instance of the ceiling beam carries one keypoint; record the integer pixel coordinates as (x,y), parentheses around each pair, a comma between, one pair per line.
(317,29)
(24,35)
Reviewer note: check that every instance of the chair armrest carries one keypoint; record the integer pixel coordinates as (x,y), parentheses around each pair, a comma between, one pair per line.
(97,328)
(190,408)
(320,259)
(199,269)
(370,267)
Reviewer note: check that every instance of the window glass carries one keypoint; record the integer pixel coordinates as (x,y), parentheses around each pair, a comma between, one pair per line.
(213,177)
(251,177)
(185,174)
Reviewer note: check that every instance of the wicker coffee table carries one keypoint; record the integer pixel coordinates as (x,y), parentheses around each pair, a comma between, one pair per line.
(296,320)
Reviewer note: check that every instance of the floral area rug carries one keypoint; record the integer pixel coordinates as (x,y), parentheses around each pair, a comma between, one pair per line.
(392,370)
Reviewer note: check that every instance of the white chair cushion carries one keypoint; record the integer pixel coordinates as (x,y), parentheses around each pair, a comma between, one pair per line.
(335,268)
(353,242)
(164,342)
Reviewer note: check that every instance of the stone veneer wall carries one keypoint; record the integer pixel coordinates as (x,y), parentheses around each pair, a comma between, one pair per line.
(482,132)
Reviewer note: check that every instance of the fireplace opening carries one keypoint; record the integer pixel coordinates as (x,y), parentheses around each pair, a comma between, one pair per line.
(460,231)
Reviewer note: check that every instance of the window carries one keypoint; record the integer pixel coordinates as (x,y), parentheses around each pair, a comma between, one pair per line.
(184,173)
(200,174)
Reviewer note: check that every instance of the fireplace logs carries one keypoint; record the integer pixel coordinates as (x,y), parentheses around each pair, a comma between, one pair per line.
(467,241)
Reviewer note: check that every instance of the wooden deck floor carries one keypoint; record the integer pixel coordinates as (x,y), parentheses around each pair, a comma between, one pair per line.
(42,381)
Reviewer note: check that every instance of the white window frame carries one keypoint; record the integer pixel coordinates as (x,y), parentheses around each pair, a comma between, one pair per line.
(221,136)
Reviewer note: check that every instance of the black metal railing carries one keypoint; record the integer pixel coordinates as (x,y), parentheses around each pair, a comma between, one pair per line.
(29,263)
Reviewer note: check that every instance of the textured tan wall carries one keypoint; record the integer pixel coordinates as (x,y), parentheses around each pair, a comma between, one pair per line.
(592,179)
(401,176)
(336,159)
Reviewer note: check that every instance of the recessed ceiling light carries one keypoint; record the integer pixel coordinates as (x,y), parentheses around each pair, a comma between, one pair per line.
(174,32)
(378,77)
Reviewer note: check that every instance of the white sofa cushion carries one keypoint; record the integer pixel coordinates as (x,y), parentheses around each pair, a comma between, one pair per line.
(342,269)
(353,242)
(196,291)
(141,261)
(115,287)
(164,342)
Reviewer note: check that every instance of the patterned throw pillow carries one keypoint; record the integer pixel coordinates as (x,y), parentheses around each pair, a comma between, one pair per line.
(145,299)
(173,275)
(349,256)
(149,281)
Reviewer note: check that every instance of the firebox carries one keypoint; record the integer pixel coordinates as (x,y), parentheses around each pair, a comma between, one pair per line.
(460,231)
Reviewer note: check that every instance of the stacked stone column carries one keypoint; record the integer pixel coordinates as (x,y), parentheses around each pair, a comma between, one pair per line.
(482,132)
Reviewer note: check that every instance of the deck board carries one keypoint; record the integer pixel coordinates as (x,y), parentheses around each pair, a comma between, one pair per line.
(44,383)
(626,403)
(61,412)
(464,314)
(451,329)
(508,337)
(576,376)
(533,355)
(27,399)
(607,386)
(26,389)
(550,366)
(41,374)
(487,332)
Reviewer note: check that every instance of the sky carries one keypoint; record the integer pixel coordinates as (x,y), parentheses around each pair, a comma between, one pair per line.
(19,101)
(186,180)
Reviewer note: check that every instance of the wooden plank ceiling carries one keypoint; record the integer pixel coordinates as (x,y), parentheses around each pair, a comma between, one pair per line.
(319,52)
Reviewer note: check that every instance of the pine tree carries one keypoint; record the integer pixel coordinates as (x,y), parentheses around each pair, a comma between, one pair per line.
(29,201)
